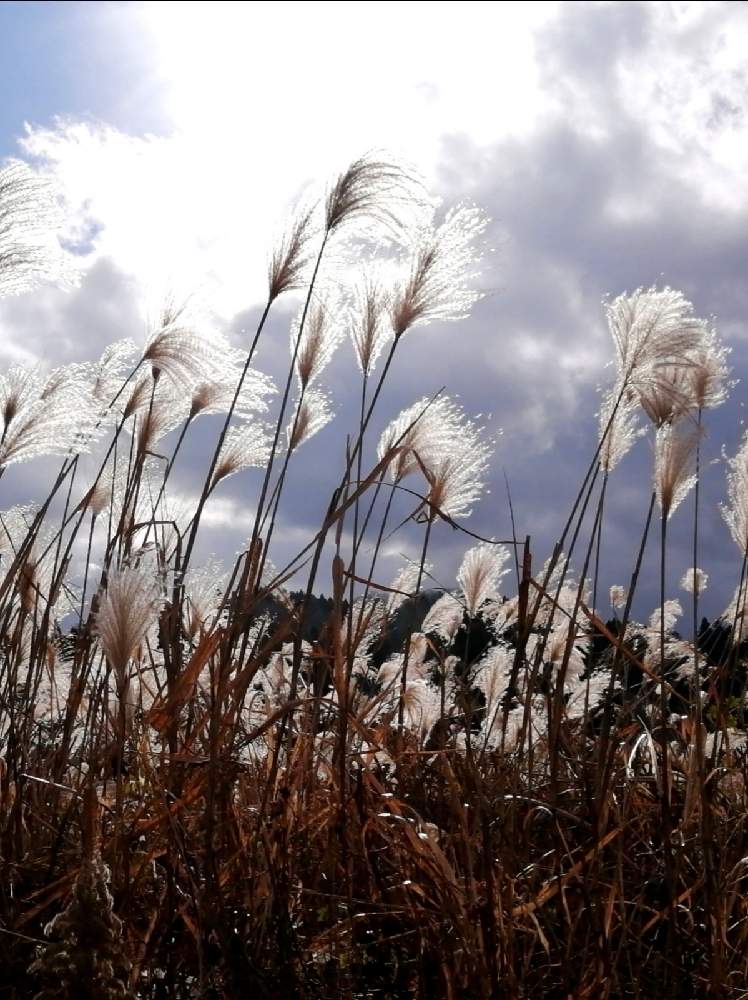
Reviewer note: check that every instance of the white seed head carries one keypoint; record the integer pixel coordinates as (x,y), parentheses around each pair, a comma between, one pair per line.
(673,467)
(30,220)
(618,596)
(482,569)
(694,581)
(650,327)
(439,281)
(312,416)
(246,446)
(369,321)
(735,511)
(127,611)
(320,337)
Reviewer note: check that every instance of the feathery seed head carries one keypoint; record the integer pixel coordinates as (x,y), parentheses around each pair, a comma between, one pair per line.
(437,438)
(480,573)
(650,327)
(109,372)
(440,280)
(217,395)
(423,429)
(666,393)
(618,596)
(246,446)
(673,467)
(203,589)
(735,511)
(694,581)
(444,618)
(312,416)
(381,197)
(370,322)
(30,220)
(128,609)
(619,429)
(157,419)
(709,372)
(184,356)
(44,415)
(457,478)
(671,610)
(405,583)
(319,339)
(290,261)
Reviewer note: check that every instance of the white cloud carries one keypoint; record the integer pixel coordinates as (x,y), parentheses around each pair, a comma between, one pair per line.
(261,99)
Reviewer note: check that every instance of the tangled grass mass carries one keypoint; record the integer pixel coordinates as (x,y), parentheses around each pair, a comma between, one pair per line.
(215,784)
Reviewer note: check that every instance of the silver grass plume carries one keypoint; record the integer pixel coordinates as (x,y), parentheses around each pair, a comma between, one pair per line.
(392,669)
(14,525)
(457,475)
(555,646)
(736,612)
(444,617)
(139,397)
(184,355)
(666,394)
(155,410)
(480,573)
(35,578)
(322,334)
(618,596)
(370,326)
(35,575)
(30,220)
(694,576)
(314,414)
(291,259)
(203,590)
(493,673)
(422,707)
(107,489)
(735,511)
(422,429)
(438,439)
(246,446)
(709,372)
(673,467)
(43,415)
(439,280)
(622,430)
(650,327)
(379,196)
(127,611)
(586,694)
(216,395)
(671,611)
(404,584)
(108,376)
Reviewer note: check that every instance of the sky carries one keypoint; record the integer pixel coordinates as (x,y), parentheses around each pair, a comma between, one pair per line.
(606,141)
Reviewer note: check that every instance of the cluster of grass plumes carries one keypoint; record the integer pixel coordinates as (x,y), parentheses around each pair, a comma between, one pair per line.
(214,786)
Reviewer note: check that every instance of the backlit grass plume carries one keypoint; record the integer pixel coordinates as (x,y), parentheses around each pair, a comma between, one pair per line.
(30,221)
(127,611)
